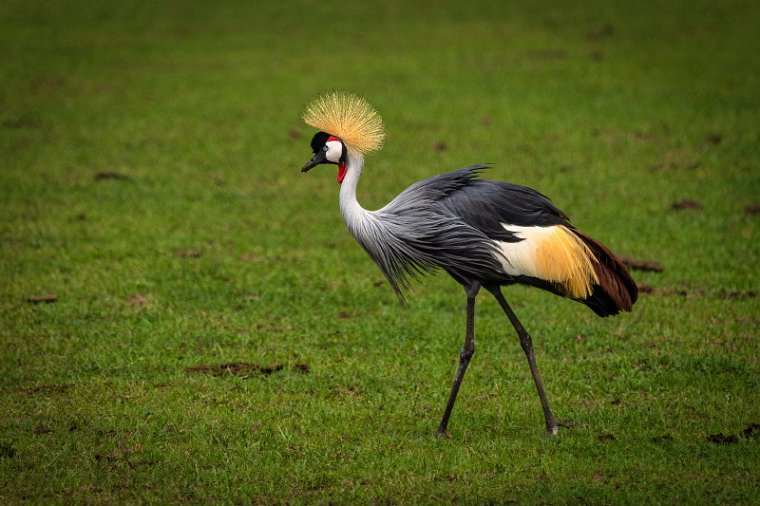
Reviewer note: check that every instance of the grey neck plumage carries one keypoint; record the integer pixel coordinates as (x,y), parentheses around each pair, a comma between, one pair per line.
(376,231)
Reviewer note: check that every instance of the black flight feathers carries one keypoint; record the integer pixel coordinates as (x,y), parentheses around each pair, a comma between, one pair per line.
(486,205)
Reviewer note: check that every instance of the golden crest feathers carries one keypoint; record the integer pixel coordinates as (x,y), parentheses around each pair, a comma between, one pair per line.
(349,117)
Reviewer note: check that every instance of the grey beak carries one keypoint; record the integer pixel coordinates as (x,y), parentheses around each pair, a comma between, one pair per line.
(319,157)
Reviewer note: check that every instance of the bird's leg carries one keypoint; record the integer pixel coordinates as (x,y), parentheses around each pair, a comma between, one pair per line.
(464,357)
(527,345)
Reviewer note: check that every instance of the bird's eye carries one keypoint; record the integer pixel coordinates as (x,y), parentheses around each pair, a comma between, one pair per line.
(324,148)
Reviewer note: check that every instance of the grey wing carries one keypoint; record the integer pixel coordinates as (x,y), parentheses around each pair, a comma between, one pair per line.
(488,205)
(433,189)
(479,201)
(451,221)
(429,234)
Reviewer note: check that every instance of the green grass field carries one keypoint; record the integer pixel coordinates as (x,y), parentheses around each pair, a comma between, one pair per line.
(150,185)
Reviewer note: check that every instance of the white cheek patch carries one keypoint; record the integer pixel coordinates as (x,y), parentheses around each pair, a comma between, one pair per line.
(334,151)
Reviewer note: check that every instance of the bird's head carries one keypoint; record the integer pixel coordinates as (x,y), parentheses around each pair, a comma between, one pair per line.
(347,124)
(327,149)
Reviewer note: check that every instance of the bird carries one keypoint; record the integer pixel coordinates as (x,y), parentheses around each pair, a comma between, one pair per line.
(485,234)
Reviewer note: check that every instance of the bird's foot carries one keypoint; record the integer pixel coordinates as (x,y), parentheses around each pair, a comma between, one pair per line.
(442,433)
(553,428)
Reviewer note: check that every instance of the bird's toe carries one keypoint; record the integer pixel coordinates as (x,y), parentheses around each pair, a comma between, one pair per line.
(442,433)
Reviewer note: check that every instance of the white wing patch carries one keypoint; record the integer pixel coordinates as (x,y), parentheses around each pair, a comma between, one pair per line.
(553,254)
(519,258)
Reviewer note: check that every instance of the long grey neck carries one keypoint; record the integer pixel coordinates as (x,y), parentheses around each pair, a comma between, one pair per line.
(374,231)
(355,216)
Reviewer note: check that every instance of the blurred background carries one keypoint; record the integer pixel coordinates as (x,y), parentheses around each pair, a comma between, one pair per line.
(153,219)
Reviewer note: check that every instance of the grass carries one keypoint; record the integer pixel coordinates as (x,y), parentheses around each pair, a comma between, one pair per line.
(149,161)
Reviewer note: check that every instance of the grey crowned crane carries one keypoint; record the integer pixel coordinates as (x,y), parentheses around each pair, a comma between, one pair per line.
(485,234)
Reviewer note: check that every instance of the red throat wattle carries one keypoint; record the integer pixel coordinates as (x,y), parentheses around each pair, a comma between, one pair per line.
(341,172)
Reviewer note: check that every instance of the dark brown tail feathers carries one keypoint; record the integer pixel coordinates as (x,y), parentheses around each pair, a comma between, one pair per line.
(616,291)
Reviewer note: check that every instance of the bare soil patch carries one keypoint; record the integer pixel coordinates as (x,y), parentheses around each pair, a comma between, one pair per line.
(642,265)
(45,298)
(684,204)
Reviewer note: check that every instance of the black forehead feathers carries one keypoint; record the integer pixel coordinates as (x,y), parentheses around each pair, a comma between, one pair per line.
(319,140)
